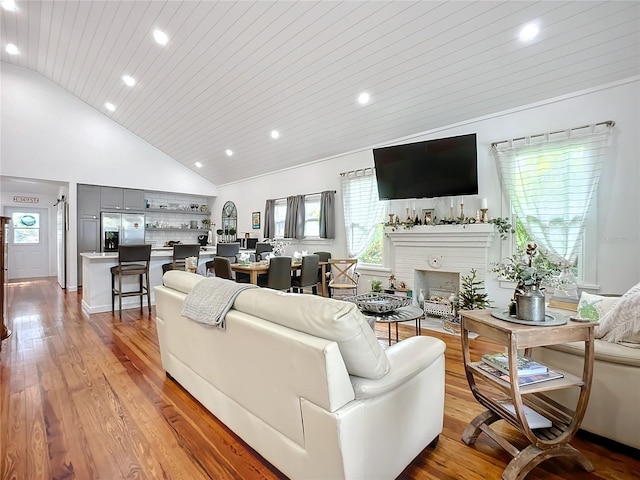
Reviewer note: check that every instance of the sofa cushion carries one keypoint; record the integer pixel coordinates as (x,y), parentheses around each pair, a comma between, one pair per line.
(624,319)
(604,352)
(180,280)
(322,317)
(595,307)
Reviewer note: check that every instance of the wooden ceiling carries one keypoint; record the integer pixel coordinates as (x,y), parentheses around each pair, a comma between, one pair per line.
(234,71)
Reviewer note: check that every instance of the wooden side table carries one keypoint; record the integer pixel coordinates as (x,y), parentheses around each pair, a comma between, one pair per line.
(545,442)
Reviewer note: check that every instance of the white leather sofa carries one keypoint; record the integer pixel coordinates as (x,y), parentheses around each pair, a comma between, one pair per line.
(613,410)
(303,380)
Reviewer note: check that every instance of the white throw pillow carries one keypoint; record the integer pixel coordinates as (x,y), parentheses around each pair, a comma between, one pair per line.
(595,307)
(624,319)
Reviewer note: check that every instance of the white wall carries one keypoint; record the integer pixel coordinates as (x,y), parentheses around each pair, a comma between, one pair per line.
(48,134)
(617,236)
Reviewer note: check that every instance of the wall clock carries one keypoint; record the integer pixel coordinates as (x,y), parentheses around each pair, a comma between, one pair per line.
(434,260)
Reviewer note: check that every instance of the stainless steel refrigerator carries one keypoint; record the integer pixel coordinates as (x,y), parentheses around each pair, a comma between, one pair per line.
(121,229)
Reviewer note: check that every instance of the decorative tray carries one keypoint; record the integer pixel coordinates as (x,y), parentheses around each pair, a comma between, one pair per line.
(379,302)
(549,320)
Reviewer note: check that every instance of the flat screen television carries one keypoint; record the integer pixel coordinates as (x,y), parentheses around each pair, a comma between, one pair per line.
(443,167)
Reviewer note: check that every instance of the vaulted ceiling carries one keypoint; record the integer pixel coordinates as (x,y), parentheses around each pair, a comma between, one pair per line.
(234,71)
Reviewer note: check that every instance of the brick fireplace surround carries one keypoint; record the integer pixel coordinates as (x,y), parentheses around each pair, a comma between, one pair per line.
(435,256)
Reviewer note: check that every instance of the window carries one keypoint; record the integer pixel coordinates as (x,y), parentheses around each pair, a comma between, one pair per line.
(363,215)
(280,212)
(552,180)
(26,228)
(312,215)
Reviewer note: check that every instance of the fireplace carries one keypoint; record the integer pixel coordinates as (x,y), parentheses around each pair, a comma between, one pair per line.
(436,256)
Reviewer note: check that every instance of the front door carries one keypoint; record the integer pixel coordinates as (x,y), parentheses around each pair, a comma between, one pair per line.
(28,252)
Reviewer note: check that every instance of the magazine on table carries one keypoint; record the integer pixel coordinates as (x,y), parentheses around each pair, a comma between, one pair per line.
(526,366)
(522,379)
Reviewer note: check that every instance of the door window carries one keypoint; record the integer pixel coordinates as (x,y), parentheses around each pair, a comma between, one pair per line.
(26,228)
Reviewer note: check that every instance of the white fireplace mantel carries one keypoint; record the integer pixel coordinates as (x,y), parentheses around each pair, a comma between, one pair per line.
(440,248)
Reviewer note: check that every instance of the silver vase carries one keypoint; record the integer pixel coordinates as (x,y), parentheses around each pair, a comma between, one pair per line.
(530,303)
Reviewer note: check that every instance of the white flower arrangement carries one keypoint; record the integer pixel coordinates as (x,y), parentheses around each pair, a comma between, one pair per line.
(278,246)
(244,258)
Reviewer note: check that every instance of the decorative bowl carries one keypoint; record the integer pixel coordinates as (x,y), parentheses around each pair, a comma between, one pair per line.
(379,302)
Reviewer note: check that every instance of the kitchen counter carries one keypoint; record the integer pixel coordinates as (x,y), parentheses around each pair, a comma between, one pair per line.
(96,275)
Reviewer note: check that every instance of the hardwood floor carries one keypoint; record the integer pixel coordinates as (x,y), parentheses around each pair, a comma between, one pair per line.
(85,397)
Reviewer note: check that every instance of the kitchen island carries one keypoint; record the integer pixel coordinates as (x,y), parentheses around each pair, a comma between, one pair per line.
(96,274)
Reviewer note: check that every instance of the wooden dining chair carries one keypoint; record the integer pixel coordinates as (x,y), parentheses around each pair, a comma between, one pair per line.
(344,278)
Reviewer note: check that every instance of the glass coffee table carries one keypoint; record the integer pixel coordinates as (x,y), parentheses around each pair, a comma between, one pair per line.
(402,314)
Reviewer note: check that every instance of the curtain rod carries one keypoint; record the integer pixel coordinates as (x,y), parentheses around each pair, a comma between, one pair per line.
(363,170)
(306,194)
(609,123)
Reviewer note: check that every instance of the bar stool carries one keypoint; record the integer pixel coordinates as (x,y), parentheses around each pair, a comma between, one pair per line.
(180,254)
(132,260)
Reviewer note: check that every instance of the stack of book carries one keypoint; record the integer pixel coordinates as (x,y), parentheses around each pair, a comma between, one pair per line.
(529,371)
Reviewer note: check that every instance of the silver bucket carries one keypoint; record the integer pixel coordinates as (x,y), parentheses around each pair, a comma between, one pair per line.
(530,304)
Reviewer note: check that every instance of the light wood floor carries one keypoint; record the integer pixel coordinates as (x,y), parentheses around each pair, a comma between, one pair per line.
(85,397)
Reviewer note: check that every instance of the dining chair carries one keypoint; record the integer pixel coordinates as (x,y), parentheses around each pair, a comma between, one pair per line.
(262,247)
(278,275)
(308,275)
(221,267)
(181,252)
(229,250)
(323,257)
(132,260)
(344,278)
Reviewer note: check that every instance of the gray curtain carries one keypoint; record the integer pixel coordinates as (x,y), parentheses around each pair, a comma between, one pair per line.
(294,221)
(327,214)
(269,219)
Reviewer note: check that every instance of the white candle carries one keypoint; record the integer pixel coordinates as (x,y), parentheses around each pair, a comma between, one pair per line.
(451,202)
(483,203)
(461,200)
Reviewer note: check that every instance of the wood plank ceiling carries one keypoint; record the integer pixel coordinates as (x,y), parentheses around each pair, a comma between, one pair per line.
(234,71)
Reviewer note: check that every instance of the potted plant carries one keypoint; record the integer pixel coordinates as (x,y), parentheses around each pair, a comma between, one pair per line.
(472,295)
(376,285)
(531,271)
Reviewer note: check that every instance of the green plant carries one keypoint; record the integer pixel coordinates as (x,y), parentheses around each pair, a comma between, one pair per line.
(528,268)
(472,295)
(376,285)
(206,222)
(232,231)
(504,226)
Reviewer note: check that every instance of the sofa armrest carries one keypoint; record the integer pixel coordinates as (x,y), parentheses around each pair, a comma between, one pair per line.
(407,358)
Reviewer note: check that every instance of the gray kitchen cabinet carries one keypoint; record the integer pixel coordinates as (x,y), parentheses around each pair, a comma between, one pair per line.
(111,198)
(88,201)
(133,199)
(114,198)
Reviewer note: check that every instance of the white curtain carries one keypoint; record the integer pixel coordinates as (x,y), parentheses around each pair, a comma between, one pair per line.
(551,180)
(363,211)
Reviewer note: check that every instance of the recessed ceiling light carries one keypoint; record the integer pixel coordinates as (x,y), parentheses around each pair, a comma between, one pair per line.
(9,5)
(275,134)
(110,106)
(128,80)
(12,49)
(160,37)
(528,32)
(229,152)
(363,98)
(198,164)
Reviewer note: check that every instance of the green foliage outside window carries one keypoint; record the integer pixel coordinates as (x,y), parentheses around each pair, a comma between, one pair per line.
(373,252)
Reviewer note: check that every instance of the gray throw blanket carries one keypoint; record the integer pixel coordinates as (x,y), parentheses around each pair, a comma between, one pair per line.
(211,299)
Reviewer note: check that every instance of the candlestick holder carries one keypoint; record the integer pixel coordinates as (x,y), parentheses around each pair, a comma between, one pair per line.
(391,217)
(484,218)
(462,210)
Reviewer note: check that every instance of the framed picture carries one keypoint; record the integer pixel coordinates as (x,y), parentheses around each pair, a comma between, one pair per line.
(255,220)
(428,216)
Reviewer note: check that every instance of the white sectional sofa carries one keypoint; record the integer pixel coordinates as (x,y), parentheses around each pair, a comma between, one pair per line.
(613,411)
(303,380)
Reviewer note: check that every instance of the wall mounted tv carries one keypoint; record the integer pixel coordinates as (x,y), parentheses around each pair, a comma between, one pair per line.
(443,167)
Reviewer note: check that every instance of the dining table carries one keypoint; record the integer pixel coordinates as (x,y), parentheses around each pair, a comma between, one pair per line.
(257,268)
